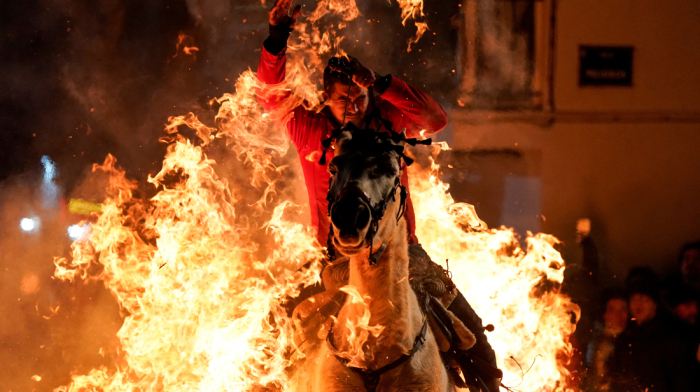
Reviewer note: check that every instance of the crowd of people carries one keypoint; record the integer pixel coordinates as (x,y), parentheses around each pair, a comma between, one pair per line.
(643,335)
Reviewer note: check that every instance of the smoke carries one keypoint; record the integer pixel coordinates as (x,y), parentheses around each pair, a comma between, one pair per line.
(87,78)
(505,49)
(497,54)
(48,328)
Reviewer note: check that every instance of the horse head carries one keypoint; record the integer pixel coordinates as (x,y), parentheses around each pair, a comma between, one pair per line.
(363,201)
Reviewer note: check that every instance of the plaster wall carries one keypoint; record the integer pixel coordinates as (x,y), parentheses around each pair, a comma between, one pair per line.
(625,157)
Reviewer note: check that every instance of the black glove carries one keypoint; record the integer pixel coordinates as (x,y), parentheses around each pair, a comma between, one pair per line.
(277,41)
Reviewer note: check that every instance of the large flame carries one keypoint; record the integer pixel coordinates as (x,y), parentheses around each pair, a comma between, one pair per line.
(513,289)
(202,300)
(202,269)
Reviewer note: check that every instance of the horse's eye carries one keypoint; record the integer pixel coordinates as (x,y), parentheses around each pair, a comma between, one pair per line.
(381,171)
(332,169)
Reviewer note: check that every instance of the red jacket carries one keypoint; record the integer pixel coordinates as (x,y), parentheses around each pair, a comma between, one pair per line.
(403,105)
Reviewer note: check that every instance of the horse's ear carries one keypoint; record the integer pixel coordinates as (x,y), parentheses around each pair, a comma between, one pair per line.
(403,137)
(342,139)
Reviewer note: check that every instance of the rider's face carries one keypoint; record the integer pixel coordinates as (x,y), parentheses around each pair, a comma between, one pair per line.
(356,103)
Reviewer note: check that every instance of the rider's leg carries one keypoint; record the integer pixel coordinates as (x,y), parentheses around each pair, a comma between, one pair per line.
(481,349)
(460,308)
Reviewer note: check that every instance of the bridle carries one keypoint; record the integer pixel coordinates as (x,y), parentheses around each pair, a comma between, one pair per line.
(377,211)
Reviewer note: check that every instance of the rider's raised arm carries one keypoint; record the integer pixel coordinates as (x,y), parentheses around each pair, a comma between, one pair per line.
(417,111)
(273,61)
(274,96)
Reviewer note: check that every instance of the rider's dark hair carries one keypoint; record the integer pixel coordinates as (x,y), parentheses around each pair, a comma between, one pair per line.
(330,77)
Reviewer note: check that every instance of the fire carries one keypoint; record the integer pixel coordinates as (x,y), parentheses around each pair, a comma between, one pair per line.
(202,269)
(515,290)
(422,28)
(413,9)
(186,44)
(359,330)
(199,294)
(410,9)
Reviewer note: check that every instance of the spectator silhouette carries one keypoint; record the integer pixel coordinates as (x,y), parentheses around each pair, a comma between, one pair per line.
(688,268)
(581,283)
(655,353)
(614,314)
(683,303)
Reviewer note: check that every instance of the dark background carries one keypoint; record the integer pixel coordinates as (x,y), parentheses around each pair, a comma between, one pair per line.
(85,78)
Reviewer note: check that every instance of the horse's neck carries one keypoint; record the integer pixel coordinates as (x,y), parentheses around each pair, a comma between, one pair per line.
(392,304)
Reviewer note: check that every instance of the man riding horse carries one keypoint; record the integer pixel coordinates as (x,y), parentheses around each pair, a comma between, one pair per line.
(348,100)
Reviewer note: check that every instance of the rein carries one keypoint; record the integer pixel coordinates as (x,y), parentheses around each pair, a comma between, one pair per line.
(371,378)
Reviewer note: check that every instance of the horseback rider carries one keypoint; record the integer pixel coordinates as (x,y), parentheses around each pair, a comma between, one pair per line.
(348,100)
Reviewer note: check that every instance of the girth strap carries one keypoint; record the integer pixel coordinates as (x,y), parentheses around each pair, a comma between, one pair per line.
(371,378)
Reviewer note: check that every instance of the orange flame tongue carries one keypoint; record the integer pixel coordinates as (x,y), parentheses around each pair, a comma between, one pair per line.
(505,284)
(198,297)
(355,348)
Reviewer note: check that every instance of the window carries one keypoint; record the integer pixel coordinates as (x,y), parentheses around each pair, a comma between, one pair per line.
(505,54)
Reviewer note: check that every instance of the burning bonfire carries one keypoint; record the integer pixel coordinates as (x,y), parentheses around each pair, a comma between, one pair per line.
(202,270)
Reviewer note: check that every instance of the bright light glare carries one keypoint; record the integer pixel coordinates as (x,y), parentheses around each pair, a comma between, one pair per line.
(77,231)
(28,224)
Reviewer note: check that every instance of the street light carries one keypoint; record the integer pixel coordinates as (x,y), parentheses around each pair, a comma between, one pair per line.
(77,231)
(29,224)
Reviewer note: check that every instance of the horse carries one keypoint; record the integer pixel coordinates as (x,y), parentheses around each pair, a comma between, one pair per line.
(397,352)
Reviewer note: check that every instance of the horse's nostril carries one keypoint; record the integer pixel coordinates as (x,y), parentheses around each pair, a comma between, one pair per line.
(362,217)
(350,214)
(336,217)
